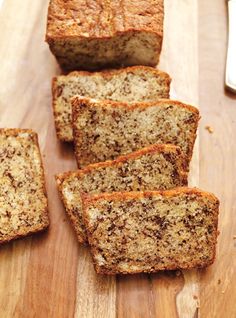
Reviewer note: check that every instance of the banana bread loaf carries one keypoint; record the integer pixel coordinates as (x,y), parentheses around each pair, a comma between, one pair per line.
(22,189)
(131,84)
(93,34)
(103,130)
(136,232)
(152,168)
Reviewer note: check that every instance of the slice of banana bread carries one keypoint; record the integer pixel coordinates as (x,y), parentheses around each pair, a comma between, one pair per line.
(152,168)
(136,232)
(93,34)
(131,84)
(104,129)
(23,197)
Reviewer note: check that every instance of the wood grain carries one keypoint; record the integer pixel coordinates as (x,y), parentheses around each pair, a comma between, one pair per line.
(217,158)
(38,274)
(50,275)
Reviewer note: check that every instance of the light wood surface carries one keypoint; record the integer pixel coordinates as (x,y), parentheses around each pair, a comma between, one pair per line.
(218,158)
(50,275)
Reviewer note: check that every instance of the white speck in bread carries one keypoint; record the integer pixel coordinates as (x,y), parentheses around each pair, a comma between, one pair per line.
(131,84)
(152,168)
(137,232)
(23,200)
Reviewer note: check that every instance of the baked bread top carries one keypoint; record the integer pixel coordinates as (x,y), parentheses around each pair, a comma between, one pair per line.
(103,19)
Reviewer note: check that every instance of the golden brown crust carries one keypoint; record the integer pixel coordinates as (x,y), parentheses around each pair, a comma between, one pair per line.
(121,196)
(108,73)
(88,199)
(89,34)
(74,221)
(45,216)
(77,100)
(104,271)
(54,96)
(68,19)
(150,149)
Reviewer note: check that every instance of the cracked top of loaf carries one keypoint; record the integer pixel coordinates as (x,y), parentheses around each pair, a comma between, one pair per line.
(103,18)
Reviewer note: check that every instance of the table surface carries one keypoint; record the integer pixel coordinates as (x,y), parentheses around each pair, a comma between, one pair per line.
(50,275)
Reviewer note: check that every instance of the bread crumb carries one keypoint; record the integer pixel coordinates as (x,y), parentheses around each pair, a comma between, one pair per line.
(209,129)
(219,281)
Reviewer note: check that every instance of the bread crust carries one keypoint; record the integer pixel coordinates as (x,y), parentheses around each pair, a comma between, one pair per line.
(107,19)
(60,178)
(45,215)
(122,196)
(150,149)
(114,29)
(107,74)
(73,220)
(130,106)
(78,103)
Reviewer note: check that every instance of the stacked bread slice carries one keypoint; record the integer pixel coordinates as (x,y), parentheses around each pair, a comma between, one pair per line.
(133,145)
(131,84)
(121,146)
(154,167)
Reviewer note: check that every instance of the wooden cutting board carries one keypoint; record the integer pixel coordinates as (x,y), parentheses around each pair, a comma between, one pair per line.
(50,275)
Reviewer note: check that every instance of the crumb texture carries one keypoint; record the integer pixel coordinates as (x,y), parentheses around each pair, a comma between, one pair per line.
(150,169)
(93,34)
(23,198)
(105,130)
(153,232)
(131,84)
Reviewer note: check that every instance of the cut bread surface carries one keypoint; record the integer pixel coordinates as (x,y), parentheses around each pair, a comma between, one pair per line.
(150,231)
(155,167)
(131,84)
(103,130)
(23,197)
(97,34)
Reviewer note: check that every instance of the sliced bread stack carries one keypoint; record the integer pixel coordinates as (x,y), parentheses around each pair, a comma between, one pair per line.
(133,145)
(131,84)
(154,167)
(144,146)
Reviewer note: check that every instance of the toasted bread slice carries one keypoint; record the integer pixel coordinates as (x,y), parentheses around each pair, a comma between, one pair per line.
(152,168)
(24,208)
(131,84)
(104,130)
(137,232)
